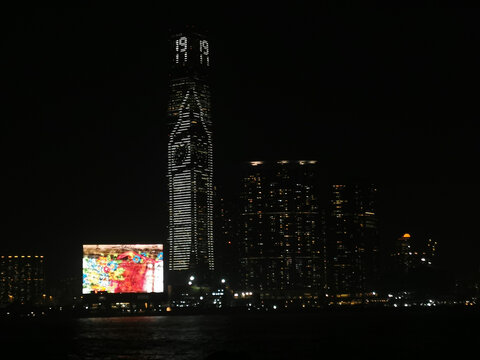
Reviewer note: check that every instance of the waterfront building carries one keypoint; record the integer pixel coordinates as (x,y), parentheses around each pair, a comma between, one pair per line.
(22,279)
(190,158)
(281,242)
(353,262)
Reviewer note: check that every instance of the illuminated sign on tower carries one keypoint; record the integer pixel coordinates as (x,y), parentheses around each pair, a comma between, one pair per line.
(190,164)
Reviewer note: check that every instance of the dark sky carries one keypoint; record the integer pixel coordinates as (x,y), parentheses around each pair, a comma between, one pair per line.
(387,94)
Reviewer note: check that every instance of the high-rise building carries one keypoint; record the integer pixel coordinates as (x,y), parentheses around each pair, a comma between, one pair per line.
(352,240)
(280,235)
(22,279)
(190,163)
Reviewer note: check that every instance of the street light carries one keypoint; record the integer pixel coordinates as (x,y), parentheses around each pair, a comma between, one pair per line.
(223,281)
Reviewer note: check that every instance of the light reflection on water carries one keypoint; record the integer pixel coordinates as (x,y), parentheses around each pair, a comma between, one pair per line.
(170,337)
(345,335)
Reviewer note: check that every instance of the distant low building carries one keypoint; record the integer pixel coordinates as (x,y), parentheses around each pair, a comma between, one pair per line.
(22,279)
(403,255)
(409,255)
(414,267)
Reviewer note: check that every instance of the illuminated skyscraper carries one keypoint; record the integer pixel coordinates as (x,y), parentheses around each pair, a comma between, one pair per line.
(22,278)
(352,239)
(190,165)
(281,238)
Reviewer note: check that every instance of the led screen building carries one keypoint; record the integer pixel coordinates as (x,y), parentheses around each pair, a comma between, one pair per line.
(122,268)
(190,165)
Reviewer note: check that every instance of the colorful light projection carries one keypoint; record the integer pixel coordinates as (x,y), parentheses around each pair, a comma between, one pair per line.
(123,268)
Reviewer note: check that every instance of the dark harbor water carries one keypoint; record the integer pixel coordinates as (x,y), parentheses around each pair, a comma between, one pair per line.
(341,335)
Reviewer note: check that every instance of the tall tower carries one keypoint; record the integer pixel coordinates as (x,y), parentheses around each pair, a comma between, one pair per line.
(190,163)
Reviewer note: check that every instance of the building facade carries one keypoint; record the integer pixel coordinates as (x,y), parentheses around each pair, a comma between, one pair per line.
(352,240)
(281,242)
(22,279)
(190,157)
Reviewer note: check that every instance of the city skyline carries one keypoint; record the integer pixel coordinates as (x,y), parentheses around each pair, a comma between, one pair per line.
(85,120)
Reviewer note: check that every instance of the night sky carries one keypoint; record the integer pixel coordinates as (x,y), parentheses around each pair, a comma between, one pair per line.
(389,95)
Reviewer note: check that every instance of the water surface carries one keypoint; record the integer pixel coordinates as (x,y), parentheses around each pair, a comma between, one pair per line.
(343,335)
